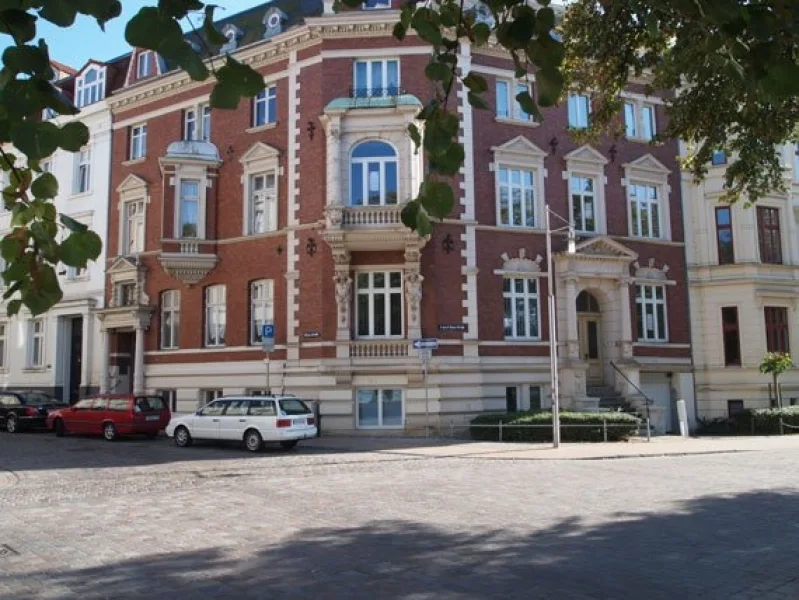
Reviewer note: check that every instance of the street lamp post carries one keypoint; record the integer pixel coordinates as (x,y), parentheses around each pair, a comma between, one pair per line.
(553,329)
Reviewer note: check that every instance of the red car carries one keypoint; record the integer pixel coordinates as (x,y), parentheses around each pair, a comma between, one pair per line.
(112,415)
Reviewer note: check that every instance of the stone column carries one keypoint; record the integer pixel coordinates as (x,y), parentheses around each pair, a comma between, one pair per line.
(138,361)
(332,127)
(104,352)
(626,320)
(572,336)
(343,282)
(413,280)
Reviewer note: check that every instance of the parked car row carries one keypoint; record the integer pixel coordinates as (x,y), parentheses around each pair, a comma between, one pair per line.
(252,420)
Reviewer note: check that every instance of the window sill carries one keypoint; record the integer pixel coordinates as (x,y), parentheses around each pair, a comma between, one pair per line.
(378,427)
(134,161)
(171,348)
(81,279)
(653,343)
(34,370)
(78,195)
(264,127)
(218,347)
(641,140)
(526,340)
(511,121)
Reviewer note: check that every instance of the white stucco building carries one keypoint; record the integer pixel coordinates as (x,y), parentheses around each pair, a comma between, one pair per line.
(61,351)
(743,273)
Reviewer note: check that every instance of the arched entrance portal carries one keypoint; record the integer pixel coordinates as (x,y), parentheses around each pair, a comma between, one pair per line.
(588,323)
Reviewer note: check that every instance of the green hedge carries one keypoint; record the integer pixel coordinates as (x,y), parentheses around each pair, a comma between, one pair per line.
(620,427)
(753,421)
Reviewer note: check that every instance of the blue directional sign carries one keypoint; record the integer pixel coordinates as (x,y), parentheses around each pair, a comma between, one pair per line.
(268,336)
(425,344)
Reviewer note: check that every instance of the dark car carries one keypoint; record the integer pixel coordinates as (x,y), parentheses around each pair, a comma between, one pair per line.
(25,410)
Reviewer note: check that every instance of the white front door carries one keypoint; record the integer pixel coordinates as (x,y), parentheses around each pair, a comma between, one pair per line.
(590,350)
(234,422)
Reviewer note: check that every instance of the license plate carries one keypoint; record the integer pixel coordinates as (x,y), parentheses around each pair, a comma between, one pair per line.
(299,421)
(152,418)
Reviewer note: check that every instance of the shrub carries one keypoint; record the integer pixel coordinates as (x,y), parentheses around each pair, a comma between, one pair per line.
(620,426)
(753,421)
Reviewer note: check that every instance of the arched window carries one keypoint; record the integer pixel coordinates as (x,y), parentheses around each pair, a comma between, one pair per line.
(90,87)
(373,174)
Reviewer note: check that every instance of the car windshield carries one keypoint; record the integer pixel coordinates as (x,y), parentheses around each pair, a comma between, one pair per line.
(293,406)
(149,404)
(37,398)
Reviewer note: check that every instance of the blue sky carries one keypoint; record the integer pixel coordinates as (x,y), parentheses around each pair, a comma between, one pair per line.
(77,44)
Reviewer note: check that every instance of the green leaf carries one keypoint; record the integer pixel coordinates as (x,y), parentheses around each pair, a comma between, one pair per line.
(73,136)
(416,136)
(477,101)
(476,83)
(26,59)
(102,10)
(73,253)
(427,25)
(44,291)
(399,31)
(439,199)
(481,34)
(235,81)
(409,214)
(451,161)
(18,24)
(212,34)
(544,20)
(45,186)
(437,71)
(14,306)
(11,248)
(59,12)
(178,9)
(527,103)
(423,225)
(72,224)
(35,140)
(550,86)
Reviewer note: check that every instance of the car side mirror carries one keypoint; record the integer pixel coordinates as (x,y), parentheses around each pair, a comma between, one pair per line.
(198,413)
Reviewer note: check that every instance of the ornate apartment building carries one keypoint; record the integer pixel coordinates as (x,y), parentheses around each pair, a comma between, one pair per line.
(61,351)
(743,269)
(287,211)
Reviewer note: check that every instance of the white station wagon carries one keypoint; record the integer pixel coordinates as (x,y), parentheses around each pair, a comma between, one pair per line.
(249,419)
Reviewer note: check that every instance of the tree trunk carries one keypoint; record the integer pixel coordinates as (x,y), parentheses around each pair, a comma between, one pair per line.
(777,393)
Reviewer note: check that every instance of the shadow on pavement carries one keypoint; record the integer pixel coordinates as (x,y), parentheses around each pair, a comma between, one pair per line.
(713,547)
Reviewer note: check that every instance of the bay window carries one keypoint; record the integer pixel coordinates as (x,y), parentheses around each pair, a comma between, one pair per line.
(376,78)
(189,210)
(373,174)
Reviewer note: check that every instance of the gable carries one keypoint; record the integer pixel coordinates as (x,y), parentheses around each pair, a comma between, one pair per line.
(130,183)
(605,246)
(520,146)
(260,151)
(648,163)
(122,265)
(586,154)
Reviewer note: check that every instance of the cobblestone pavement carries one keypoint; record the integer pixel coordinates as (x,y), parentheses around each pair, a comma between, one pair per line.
(82,518)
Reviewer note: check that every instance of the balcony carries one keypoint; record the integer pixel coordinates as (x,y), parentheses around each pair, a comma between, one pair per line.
(367,227)
(189,260)
(379,349)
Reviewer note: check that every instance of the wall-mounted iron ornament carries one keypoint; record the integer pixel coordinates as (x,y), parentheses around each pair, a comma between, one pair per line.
(612,151)
(553,143)
(310,247)
(448,244)
(311,128)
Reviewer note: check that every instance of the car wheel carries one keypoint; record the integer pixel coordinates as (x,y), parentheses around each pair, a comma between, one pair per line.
(60,428)
(109,432)
(12,426)
(182,437)
(253,440)
(289,444)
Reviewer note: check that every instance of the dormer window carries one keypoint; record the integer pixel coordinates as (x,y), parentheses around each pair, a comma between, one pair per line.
(90,87)
(232,33)
(144,65)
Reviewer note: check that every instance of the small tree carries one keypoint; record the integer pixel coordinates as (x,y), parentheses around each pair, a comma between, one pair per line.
(776,363)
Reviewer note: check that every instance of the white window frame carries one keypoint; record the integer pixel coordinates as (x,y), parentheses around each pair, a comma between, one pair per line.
(263,301)
(200,225)
(3,345)
(143,67)
(528,208)
(512,109)
(35,338)
(268,197)
(637,222)
(579,111)
(138,142)
(216,307)
(89,93)
(520,153)
(528,298)
(170,305)
(647,170)
(370,87)
(270,93)
(382,161)
(379,391)
(260,159)
(375,293)
(133,231)
(640,306)
(635,120)
(46,165)
(377,5)
(200,119)
(83,164)
(582,198)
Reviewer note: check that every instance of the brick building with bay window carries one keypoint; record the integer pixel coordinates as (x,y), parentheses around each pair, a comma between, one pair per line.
(287,210)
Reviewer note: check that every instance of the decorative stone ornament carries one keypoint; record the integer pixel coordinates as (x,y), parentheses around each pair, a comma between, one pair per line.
(233,34)
(651,271)
(273,22)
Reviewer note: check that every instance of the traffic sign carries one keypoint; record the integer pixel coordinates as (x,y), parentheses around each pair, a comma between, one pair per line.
(268,336)
(425,344)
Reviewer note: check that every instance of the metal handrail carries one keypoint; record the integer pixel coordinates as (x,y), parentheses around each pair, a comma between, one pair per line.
(639,390)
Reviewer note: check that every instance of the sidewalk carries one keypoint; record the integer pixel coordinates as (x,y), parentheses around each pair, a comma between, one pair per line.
(658,447)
